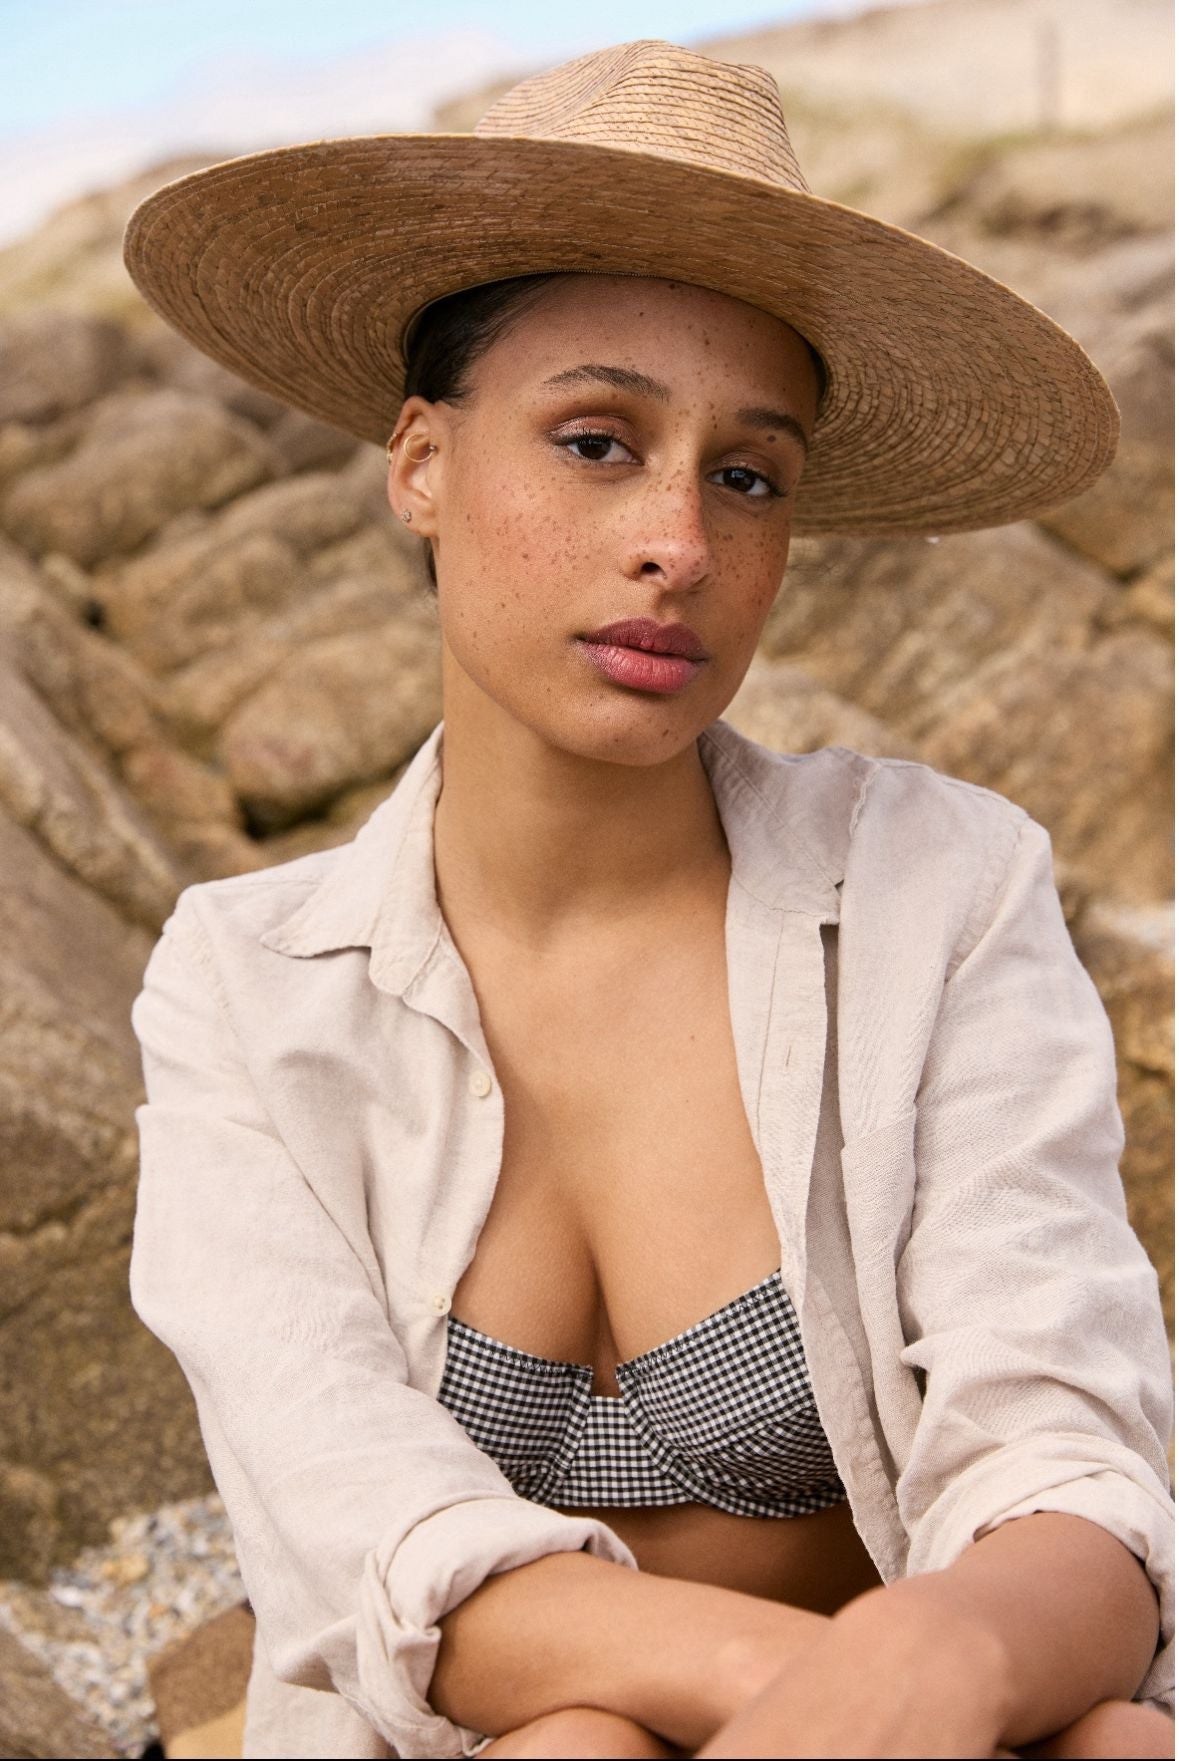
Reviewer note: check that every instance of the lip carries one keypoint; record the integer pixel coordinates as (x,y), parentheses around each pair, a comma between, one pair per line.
(650,637)
(642,655)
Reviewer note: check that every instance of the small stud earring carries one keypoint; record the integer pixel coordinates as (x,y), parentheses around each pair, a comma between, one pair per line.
(407,516)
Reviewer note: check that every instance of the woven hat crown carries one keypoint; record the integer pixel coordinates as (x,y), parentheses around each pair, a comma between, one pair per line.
(655,98)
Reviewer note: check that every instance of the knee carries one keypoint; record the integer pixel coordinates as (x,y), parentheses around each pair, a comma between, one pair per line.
(578,1733)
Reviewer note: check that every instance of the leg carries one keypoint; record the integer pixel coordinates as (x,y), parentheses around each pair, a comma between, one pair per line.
(578,1732)
(1112,1729)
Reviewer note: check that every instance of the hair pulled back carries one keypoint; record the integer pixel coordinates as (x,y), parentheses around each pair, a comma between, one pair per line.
(453,334)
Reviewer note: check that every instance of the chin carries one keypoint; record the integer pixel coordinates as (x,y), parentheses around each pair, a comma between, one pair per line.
(632,729)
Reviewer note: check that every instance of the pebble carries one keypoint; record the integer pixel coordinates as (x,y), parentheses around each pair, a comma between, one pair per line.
(99,1619)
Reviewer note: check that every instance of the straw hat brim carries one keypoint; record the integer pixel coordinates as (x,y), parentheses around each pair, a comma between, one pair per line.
(953,403)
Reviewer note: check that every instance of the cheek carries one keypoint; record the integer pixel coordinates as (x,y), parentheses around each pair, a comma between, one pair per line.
(753,564)
(510,528)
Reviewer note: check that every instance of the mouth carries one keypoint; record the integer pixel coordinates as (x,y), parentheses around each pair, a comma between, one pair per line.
(650,638)
(642,655)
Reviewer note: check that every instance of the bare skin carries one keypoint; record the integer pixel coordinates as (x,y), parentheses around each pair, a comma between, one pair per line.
(583,872)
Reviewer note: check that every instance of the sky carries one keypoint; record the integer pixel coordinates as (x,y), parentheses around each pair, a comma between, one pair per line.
(93,90)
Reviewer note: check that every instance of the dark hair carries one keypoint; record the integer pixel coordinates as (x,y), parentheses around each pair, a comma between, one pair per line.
(450,336)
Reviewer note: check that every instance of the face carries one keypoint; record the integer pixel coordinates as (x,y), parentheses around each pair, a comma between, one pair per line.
(610,509)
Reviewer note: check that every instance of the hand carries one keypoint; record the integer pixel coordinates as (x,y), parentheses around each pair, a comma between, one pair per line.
(877,1682)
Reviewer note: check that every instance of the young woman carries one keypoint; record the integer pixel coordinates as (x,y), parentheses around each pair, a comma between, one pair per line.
(642,1223)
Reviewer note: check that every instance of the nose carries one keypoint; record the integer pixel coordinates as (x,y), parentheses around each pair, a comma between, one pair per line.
(669,542)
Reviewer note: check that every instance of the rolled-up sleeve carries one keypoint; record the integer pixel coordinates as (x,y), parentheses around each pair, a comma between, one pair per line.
(1030,1310)
(361,1511)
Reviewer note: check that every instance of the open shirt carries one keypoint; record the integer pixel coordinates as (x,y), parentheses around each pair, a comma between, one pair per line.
(928,1074)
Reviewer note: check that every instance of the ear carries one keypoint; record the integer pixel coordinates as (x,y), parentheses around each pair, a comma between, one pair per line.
(413,480)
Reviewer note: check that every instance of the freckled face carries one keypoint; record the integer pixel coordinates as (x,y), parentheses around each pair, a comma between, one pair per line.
(630,449)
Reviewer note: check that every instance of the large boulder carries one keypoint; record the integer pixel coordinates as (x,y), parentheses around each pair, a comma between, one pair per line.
(341,710)
(61,793)
(37,1720)
(56,361)
(82,1383)
(144,457)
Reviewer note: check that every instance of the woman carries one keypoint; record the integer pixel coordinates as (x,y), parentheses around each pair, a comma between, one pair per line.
(637,1149)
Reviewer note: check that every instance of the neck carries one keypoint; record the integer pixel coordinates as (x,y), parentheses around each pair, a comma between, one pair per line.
(535,841)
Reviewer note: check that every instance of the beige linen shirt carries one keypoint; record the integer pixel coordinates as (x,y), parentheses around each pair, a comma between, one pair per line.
(929,1078)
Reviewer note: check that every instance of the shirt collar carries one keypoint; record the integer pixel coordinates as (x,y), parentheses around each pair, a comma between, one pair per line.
(787,820)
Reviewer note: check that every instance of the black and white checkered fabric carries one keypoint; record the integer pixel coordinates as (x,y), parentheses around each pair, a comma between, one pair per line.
(722,1414)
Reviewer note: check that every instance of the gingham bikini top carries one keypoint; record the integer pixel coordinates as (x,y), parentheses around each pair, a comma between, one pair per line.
(722,1414)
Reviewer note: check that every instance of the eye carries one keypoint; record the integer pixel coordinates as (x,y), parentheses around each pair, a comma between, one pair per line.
(595,447)
(747,482)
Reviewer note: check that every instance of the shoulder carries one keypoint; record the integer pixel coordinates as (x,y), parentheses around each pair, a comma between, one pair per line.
(917,795)
(864,812)
(250,906)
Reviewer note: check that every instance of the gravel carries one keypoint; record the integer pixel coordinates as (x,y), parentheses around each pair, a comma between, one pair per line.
(98,1620)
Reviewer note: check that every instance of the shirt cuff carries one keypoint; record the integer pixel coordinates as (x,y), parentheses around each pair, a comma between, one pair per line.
(409,1587)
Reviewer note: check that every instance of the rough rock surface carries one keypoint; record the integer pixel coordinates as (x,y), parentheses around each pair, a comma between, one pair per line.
(36,1718)
(216,653)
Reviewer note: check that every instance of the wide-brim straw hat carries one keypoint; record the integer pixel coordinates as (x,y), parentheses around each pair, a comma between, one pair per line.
(952,403)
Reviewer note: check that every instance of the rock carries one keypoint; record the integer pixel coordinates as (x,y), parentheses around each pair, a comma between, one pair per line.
(74,261)
(144,458)
(207,587)
(97,693)
(177,363)
(894,625)
(36,1719)
(57,361)
(339,825)
(199,594)
(341,710)
(1150,599)
(303,444)
(1126,520)
(1074,194)
(200,1681)
(28,1505)
(56,789)
(1128,952)
(70,1080)
(376,552)
(782,707)
(201,696)
(93,688)
(1083,741)
(309,511)
(111,1609)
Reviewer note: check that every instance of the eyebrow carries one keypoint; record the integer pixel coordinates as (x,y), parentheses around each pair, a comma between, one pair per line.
(641,385)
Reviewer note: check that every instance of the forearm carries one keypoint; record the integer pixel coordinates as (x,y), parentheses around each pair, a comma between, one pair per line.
(571,1630)
(1067,1612)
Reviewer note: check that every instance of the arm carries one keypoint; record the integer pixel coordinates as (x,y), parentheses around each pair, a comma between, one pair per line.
(1030,1310)
(1030,1315)
(1031,1627)
(677,1658)
(361,1510)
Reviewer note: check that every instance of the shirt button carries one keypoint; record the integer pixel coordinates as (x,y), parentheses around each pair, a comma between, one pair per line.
(480,1083)
(440,1303)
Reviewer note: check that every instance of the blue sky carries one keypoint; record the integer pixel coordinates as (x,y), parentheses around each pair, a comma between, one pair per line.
(97,91)
(69,58)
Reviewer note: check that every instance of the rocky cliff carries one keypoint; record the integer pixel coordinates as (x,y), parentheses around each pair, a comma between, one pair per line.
(216,652)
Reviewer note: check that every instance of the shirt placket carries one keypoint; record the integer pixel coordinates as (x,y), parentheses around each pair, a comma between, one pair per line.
(443,992)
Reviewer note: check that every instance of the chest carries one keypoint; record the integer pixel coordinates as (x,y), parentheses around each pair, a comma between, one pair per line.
(630,1200)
